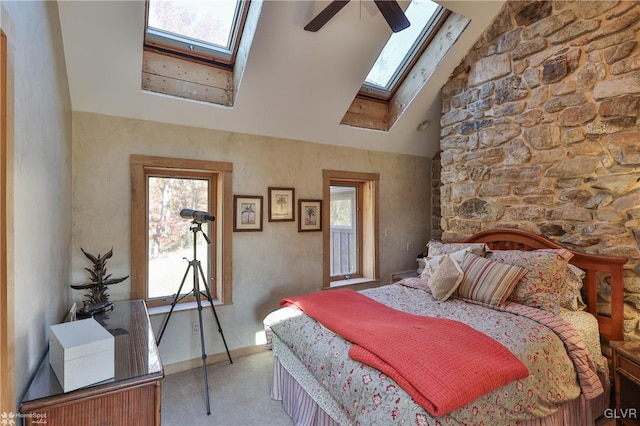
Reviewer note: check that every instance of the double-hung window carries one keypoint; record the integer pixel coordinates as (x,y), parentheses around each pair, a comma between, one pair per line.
(350,226)
(167,247)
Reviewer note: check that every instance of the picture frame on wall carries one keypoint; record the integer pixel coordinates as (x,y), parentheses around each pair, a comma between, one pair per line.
(281,204)
(309,215)
(247,213)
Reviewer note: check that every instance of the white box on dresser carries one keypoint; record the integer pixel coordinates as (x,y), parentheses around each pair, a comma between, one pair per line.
(81,353)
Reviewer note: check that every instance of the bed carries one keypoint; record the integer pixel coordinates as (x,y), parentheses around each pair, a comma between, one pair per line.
(326,379)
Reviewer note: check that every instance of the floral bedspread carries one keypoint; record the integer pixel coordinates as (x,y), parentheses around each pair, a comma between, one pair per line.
(368,397)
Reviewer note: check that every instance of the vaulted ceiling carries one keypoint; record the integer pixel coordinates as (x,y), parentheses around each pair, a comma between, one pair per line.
(297,84)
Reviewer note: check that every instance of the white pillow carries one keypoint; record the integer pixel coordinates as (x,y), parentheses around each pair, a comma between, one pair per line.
(446,279)
(432,263)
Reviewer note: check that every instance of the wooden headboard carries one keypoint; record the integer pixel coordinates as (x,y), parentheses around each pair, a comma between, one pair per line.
(611,327)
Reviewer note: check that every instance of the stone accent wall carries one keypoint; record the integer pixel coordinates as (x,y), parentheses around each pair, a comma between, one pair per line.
(436,207)
(541,131)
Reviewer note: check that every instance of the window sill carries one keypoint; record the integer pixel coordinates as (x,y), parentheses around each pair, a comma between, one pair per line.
(353,281)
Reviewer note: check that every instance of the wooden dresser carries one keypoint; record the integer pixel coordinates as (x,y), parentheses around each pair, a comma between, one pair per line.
(132,397)
(626,366)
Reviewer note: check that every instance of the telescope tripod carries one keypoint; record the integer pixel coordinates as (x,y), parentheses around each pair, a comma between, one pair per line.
(196,268)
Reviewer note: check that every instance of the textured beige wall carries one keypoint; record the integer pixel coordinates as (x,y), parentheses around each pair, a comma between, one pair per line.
(266,265)
(39,166)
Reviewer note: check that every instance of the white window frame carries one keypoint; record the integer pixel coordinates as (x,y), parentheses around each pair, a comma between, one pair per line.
(188,47)
(412,54)
(356,225)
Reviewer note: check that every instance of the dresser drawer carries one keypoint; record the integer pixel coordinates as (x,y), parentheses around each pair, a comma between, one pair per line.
(631,368)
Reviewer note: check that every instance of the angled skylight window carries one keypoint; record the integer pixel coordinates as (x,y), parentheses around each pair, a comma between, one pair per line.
(204,29)
(403,48)
(198,49)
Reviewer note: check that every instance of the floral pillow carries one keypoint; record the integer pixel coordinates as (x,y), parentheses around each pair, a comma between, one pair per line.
(438,248)
(570,296)
(546,274)
(569,293)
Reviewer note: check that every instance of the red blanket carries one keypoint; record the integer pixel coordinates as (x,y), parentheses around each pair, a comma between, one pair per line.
(443,364)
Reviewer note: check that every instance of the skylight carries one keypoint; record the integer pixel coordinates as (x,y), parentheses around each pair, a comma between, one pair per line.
(197,49)
(403,48)
(206,29)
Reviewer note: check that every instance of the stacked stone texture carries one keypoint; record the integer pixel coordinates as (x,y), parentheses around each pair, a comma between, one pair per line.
(436,231)
(541,131)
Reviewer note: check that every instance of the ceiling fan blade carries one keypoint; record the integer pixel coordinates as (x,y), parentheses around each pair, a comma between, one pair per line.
(327,13)
(393,13)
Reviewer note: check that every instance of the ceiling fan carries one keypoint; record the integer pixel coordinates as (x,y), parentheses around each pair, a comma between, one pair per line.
(390,9)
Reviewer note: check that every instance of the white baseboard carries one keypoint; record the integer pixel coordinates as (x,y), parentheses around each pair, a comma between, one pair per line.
(190,364)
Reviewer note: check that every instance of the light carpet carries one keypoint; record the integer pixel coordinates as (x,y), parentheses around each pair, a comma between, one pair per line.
(239,395)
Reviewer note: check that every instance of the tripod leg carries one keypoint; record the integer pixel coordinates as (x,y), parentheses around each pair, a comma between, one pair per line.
(173,305)
(213,309)
(196,292)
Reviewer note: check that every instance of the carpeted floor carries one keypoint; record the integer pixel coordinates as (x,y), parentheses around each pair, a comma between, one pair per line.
(239,395)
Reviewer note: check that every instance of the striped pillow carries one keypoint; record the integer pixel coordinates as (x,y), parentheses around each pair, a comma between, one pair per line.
(487,281)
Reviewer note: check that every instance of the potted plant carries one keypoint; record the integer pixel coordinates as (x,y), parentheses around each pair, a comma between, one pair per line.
(97,298)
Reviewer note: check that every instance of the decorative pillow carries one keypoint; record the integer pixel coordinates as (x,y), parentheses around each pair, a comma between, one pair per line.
(438,248)
(563,253)
(488,281)
(426,272)
(446,279)
(546,274)
(569,293)
(432,263)
(421,263)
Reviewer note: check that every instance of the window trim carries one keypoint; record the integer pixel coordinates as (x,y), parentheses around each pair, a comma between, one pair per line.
(369,250)
(7,275)
(140,167)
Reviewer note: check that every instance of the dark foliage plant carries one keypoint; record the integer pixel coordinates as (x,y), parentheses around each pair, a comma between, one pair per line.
(97,288)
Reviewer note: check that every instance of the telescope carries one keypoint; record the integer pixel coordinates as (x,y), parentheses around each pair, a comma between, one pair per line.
(197,215)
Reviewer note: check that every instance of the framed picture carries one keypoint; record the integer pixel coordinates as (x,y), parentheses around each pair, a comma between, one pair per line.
(247,213)
(281,204)
(309,215)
